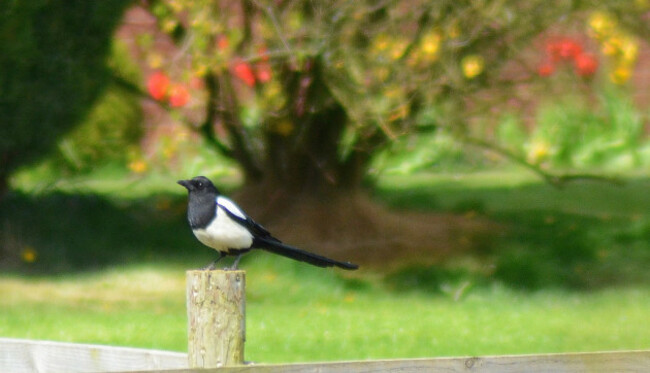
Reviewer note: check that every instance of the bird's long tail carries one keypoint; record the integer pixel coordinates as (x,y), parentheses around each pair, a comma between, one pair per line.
(277,247)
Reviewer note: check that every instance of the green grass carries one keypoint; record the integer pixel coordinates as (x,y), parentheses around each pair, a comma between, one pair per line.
(566,271)
(304,314)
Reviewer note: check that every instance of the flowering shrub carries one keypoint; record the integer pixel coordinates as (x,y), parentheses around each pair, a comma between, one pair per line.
(567,51)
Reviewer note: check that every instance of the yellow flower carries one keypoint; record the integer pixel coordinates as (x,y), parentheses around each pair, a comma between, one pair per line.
(621,74)
(381,43)
(472,65)
(601,23)
(430,43)
(201,70)
(28,254)
(168,25)
(612,45)
(155,60)
(629,49)
(538,151)
(138,166)
(398,48)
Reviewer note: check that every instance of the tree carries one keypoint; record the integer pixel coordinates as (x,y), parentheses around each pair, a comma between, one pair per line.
(308,92)
(303,94)
(52,69)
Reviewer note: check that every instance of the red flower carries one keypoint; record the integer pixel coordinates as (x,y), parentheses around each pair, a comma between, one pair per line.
(569,48)
(563,49)
(179,96)
(546,69)
(585,64)
(243,71)
(263,72)
(157,85)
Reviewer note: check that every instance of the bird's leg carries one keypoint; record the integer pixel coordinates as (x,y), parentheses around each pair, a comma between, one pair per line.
(236,263)
(213,265)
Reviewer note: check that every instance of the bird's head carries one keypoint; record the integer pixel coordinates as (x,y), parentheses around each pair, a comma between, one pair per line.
(199,184)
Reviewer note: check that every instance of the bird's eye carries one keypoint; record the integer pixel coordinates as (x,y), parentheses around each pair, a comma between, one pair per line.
(200,185)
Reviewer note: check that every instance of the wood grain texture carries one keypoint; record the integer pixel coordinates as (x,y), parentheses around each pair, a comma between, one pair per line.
(27,356)
(216,318)
(596,362)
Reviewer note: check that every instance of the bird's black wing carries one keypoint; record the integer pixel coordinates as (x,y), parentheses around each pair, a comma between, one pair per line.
(238,215)
(301,255)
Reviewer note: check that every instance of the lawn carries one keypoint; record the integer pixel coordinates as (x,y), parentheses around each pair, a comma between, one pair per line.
(590,294)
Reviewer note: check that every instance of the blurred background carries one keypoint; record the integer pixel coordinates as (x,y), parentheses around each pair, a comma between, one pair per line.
(485,162)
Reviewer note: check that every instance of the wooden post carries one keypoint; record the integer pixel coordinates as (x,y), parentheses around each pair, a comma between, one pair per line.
(216,318)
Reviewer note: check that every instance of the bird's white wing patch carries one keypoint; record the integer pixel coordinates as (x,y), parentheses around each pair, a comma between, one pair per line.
(231,206)
(224,233)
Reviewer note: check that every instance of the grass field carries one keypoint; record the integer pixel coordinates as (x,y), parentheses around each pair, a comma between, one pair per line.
(568,274)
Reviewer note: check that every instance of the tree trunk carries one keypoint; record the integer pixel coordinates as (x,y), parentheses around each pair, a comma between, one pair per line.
(307,156)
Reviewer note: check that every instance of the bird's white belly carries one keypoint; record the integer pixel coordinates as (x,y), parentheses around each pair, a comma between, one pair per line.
(224,233)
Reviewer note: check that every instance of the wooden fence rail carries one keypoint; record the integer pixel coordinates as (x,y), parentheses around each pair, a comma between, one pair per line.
(593,362)
(27,356)
(18,356)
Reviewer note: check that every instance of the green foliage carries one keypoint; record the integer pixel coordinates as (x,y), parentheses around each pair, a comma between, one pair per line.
(52,69)
(510,132)
(112,126)
(437,150)
(572,132)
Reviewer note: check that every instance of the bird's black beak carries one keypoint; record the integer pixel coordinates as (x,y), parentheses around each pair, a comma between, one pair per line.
(186,183)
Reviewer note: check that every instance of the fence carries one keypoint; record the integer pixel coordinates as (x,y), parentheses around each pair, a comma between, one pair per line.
(216,335)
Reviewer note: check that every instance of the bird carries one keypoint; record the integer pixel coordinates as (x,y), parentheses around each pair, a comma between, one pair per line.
(220,224)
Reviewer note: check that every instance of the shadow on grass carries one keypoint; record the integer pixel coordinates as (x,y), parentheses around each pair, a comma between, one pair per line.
(62,232)
(590,236)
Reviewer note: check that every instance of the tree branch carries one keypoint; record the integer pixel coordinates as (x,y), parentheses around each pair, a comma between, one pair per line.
(241,144)
(207,127)
(274,20)
(558,181)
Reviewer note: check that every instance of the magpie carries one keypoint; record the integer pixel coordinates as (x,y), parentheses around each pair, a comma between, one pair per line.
(219,223)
